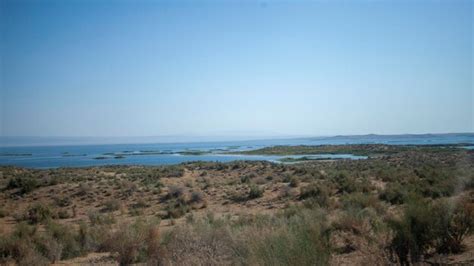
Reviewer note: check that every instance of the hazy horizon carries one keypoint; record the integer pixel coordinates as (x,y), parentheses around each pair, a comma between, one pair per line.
(12,141)
(274,68)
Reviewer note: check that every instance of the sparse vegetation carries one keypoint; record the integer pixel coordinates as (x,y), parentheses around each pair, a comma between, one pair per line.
(255,192)
(407,205)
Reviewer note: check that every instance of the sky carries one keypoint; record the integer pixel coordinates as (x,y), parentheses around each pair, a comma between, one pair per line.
(235,68)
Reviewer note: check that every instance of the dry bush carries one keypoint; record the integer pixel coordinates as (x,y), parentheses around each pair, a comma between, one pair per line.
(294,181)
(360,200)
(83,189)
(135,242)
(198,244)
(176,208)
(174,192)
(96,218)
(454,224)
(316,192)
(300,238)
(111,205)
(38,213)
(255,191)
(196,197)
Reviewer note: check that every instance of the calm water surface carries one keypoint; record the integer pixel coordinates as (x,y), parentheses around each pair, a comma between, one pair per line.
(136,154)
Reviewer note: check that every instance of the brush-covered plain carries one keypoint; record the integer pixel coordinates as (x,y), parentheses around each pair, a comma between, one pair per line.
(402,205)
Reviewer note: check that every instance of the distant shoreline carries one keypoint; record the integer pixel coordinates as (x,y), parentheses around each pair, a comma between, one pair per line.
(9,141)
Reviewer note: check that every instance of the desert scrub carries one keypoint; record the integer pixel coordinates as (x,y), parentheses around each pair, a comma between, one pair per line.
(350,184)
(23,184)
(29,246)
(418,230)
(395,193)
(196,197)
(65,238)
(174,192)
(83,189)
(318,193)
(294,181)
(38,213)
(96,218)
(62,201)
(140,204)
(176,208)
(360,200)
(255,191)
(300,239)
(455,221)
(3,213)
(199,242)
(134,243)
(245,179)
(111,205)
(127,188)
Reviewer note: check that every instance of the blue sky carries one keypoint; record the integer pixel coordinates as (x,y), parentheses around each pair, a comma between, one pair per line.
(150,68)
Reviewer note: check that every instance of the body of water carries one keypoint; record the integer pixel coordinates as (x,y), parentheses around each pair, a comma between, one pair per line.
(174,153)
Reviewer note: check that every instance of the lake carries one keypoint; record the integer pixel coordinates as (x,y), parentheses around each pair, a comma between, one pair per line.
(174,153)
